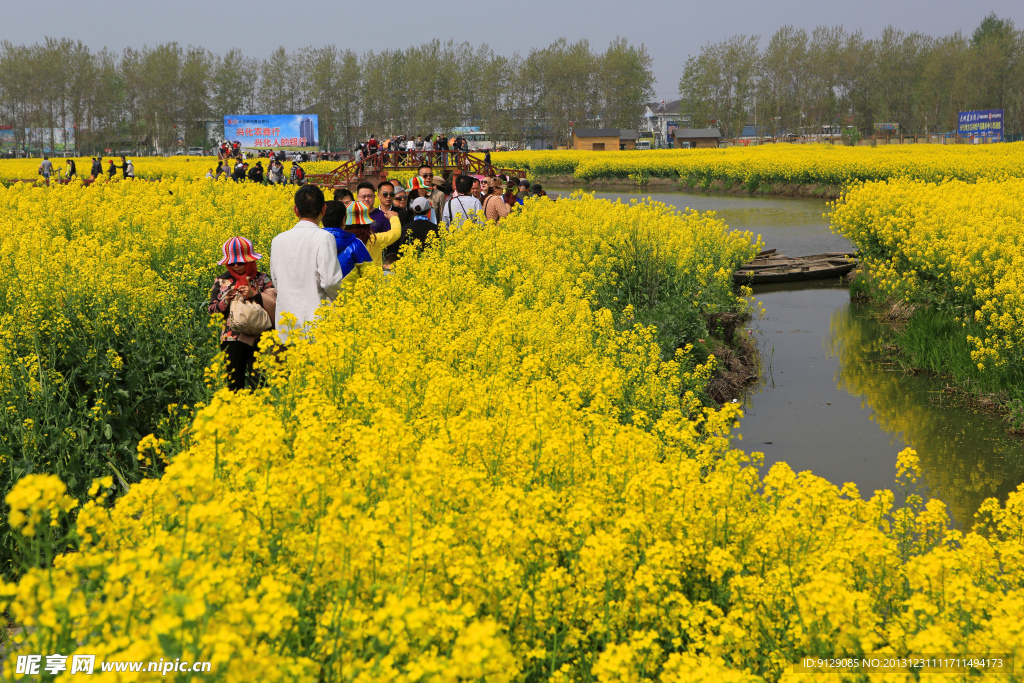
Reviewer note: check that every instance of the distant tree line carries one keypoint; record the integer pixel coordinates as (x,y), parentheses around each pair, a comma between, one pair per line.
(799,81)
(143,97)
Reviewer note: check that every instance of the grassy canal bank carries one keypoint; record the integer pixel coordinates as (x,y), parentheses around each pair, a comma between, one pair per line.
(926,338)
(943,263)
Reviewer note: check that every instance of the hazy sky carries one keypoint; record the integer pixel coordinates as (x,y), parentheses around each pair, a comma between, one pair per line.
(671,30)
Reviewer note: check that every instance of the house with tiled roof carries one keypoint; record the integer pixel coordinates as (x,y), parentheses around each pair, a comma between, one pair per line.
(603,139)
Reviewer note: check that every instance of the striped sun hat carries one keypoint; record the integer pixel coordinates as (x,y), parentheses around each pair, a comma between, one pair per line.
(357,214)
(418,183)
(238,250)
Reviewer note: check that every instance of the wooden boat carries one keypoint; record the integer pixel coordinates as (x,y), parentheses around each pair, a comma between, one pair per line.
(769,267)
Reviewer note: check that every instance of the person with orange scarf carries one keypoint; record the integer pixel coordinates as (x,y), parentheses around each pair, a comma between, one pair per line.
(241,279)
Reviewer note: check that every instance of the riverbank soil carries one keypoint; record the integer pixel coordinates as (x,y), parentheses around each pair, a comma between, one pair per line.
(736,354)
(737,369)
(812,191)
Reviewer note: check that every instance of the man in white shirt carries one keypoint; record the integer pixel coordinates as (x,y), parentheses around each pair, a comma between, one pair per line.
(304,264)
(462,203)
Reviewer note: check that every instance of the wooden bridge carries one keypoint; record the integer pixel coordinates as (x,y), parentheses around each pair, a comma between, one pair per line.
(375,168)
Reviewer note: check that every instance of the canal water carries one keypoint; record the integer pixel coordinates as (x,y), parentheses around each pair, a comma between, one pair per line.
(828,401)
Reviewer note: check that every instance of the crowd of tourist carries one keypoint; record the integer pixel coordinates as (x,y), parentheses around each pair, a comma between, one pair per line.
(233,160)
(46,169)
(414,143)
(274,174)
(336,242)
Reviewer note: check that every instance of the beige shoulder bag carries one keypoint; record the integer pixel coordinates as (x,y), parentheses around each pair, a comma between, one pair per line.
(247,317)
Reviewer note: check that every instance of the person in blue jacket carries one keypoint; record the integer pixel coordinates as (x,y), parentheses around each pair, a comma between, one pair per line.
(353,256)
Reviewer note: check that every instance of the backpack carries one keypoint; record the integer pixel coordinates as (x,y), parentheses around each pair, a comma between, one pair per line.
(300,174)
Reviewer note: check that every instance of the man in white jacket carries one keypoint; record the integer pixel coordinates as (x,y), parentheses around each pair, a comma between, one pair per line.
(304,264)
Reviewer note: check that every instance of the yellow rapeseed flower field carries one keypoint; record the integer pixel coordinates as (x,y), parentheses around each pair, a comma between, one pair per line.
(156,168)
(147,168)
(482,468)
(789,164)
(954,243)
(753,167)
(102,320)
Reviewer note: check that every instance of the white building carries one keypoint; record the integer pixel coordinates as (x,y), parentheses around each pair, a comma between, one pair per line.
(662,119)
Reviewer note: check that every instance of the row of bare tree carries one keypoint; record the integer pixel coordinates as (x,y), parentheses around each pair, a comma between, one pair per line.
(150,98)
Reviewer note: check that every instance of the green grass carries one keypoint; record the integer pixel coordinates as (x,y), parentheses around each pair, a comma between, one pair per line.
(860,288)
(936,341)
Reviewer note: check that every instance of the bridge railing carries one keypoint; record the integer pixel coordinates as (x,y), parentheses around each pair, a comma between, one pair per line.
(382,162)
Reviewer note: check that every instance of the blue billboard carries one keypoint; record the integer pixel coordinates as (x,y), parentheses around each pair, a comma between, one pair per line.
(987,123)
(263,131)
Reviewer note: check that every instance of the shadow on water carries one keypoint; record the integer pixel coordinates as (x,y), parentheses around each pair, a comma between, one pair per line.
(828,402)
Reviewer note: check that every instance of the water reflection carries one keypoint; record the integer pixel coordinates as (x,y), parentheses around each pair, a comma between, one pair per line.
(966,455)
(826,403)
(798,414)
